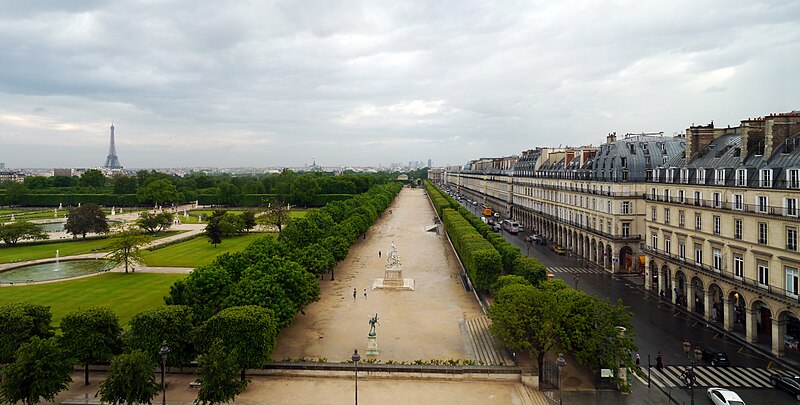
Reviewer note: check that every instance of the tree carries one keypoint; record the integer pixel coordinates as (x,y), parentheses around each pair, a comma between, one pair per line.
(41,370)
(91,335)
(217,371)
(124,184)
(204,290)
(503,281)
(130,380)
(15,193)
(19,322)
(85,219)
(526,318)
(93,178)
(160,191)
(154,223)
(230,224)
(304,189)
(249,219)
(214,232)
(530,269)
(249,331)
(228,194)
(172,324)
(277,214)
(13,232)
(125,249)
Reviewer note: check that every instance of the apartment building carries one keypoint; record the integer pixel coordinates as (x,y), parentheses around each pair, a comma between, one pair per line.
(709,217)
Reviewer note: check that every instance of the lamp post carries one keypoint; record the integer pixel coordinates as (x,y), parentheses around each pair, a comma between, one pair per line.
(576,277)
(163,352)
(690,377)
(356,358)
(561,363)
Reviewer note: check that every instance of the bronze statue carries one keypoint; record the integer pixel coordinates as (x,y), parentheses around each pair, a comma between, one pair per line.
(372,322)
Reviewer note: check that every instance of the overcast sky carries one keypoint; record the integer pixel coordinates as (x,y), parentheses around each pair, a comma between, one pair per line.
(277,83)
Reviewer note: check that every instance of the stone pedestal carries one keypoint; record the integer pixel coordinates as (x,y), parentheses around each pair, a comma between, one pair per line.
(372,345)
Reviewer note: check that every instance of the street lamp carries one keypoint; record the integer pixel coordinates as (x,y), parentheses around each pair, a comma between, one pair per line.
(163,352)
(561,363)
(576,277)
(690,376)
(356,358)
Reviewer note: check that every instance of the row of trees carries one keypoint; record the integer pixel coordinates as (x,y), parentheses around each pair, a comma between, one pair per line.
(40,364)
(486,255)
(153,188)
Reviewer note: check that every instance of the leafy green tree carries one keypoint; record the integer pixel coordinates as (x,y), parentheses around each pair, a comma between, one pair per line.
(528,319)
(282,184)
(91,335)
(126,249)
(85,219)
(93,178)
(218,371)
(230,224)
(530,269)
(337,245)
(300,232)
(130,380)
(157,192)
(316,259)
(19,322)
(277,214)
(204,290)
(213,232)
(64,181)
(172,324)
(248,219)
(154,223)
(249,331)
(304,189)
(13,232)
(124,184)
(41,370)
(276,283)
(38,182)
(228,194)
(503,281)
(15,193)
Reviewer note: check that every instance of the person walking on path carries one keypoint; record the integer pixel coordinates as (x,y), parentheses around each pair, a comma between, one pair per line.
(354,294)
(638,359)
(379,254)
(365,293)
(659,361)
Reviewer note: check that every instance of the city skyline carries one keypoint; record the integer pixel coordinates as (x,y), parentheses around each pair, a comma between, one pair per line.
(363,84)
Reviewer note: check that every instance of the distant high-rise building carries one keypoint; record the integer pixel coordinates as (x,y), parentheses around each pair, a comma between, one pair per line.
(429,164)
(2,165)
(112,162)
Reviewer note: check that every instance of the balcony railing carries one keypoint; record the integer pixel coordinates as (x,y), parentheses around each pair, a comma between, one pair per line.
(726,205)
(778,293)
(614,237)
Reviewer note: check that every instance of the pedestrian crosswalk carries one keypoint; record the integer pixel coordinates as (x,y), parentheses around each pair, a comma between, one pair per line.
(579,270)
(708,376)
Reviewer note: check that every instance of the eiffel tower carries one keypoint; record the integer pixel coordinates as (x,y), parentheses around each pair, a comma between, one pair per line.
(112,161)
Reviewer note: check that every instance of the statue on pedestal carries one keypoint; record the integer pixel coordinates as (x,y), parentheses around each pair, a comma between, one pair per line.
(393,258)
(372,338)
(372,322)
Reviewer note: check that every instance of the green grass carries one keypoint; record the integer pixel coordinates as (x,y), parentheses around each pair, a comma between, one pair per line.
(126,294)
(197,251)
(24,252)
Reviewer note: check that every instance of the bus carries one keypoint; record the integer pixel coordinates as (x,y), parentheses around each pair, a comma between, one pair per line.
(511,226)
(487,210)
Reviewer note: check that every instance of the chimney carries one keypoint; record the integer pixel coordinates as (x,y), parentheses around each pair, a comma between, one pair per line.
(777,129)
(612,137)
(752,137)
(697,138)
(569,157)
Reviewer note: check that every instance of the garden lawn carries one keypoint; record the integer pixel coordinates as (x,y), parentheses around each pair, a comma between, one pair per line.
(126,294)
(197,251)
(23,252)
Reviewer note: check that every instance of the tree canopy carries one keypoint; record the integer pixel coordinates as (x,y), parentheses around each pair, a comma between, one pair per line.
(125,249)
(88,218)
(154,223)
(19,322)
(15,231)
(91,335)
(130,380)
(249,331)
(217,371)
(41,370)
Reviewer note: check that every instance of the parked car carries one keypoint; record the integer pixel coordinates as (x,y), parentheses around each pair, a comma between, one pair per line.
(539,239)
(790,342)
(557,249)
(722,396)
(716,357)
(786,383)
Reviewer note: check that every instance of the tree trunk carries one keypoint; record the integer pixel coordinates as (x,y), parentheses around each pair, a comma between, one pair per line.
(540,363)
(243,374)
(86,374)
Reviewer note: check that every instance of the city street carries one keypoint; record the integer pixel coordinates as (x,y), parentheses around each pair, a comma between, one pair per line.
(658,326)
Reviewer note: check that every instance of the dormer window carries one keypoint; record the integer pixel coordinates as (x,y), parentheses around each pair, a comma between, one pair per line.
(765,178)
(662,147)
(701,176)
(719,177)
(624,162)
(741,177)
(793,178)
(684,175)
(632,147)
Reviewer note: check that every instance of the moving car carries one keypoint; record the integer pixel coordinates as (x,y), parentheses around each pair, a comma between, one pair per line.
(788,384)
(790,342)
(716,357)
(557,249)
(722,396)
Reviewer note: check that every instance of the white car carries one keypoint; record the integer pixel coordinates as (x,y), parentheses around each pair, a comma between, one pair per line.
(721,396)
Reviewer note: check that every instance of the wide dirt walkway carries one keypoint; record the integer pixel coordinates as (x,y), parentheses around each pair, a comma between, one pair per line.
(426,324)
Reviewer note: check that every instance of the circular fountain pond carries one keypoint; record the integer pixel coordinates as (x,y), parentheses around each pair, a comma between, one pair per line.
(59,225)
(53,271)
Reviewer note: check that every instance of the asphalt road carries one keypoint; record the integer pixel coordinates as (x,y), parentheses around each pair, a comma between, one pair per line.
(658,326)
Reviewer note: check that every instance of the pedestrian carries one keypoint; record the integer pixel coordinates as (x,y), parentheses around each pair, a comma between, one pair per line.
(659,361)
(379,253)
(638,359)
(354,294)
(365,293)
(714,314)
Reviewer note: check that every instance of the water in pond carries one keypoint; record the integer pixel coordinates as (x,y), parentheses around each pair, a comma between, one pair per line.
(59,226)
(53,271)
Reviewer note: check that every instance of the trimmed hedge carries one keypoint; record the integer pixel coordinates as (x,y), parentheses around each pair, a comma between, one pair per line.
(481,259)
(53,200)
(256,200)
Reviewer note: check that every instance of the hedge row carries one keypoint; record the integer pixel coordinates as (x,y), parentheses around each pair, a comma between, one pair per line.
(481,259)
